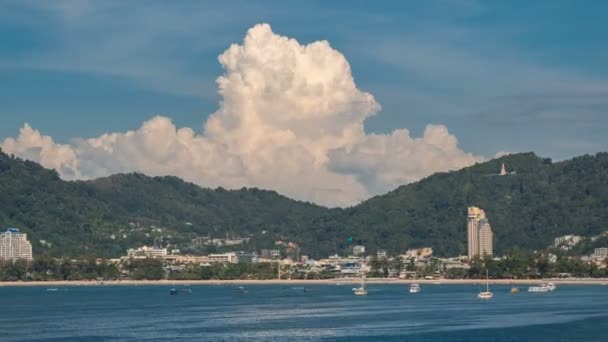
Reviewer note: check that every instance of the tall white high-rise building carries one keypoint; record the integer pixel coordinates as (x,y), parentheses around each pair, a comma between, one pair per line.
(485,238)
(14,245)
(479,234)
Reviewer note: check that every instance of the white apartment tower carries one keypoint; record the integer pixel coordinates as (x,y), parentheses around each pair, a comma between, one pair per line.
(14,245)
(479,234)
(485,238)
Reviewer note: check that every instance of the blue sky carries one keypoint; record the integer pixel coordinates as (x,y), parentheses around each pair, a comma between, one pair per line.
(501,75)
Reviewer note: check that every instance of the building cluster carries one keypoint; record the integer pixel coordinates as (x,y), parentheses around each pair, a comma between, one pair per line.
(567,242)
(174,257)
(218,242)
(479,234)
(480,244)
(14,245)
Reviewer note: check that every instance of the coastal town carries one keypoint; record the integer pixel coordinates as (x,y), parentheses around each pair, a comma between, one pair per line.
(561,259)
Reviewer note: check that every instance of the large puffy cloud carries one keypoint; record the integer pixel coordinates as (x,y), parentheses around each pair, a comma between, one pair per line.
(382,162)
(41,148)
(291,119)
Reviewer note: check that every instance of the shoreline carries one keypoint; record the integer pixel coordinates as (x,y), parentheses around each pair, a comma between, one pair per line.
(337,281)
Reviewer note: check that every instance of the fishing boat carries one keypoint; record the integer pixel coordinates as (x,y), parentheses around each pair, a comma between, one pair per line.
(415,288)
(486,294)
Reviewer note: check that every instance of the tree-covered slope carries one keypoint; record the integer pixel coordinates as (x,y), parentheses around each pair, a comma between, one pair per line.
(527,209)
(106,216)
(80,218)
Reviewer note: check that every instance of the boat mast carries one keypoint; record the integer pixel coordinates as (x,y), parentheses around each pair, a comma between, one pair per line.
(487,282)
(362,273)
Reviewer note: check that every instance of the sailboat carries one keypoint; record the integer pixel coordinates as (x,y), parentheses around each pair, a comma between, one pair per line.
(486,294)
(361,290)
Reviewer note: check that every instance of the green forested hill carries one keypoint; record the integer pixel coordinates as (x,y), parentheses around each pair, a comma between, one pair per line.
(78,218)
(106,216)
(526,210)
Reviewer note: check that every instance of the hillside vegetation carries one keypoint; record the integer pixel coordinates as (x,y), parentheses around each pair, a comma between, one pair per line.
(106,216)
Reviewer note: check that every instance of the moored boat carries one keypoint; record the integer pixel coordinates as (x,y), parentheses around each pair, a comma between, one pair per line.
(486,294)
(544,287)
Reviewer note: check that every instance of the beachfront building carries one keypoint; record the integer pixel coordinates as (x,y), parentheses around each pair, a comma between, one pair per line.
(223,258)
(146,252)
(14,245)
(270,254)
(479,234)
(186,259)
(418,254)
(600,253)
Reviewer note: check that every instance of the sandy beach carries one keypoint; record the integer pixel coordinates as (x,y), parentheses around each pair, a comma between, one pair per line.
(598,281)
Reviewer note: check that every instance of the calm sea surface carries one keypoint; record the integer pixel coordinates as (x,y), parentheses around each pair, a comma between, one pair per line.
(288,313)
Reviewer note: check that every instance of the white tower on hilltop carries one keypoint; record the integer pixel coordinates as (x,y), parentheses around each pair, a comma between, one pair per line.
(503,170)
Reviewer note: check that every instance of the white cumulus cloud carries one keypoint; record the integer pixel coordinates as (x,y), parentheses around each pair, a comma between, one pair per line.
(291,119)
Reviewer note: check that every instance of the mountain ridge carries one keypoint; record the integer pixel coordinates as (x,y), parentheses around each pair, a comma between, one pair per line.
(107,215)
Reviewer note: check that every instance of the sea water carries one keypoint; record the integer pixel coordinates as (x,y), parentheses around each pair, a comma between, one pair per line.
(290,313)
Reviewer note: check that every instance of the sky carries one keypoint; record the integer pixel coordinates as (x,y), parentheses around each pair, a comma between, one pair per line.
(325,101)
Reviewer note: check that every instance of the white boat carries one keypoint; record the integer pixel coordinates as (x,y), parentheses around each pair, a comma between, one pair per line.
(415,288)
(544,287)
(361,290)
(486,294)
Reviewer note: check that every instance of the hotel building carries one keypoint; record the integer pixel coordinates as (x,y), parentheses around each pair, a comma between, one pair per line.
(146,252)
(14,245)
(223,258)
(479,234)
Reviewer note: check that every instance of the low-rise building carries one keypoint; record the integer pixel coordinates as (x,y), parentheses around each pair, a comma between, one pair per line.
(244,257)
(146,252)
(418,254)
(223,258)
(600,253)
(358,250)
(566,242)
(186,259)
(270,253)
